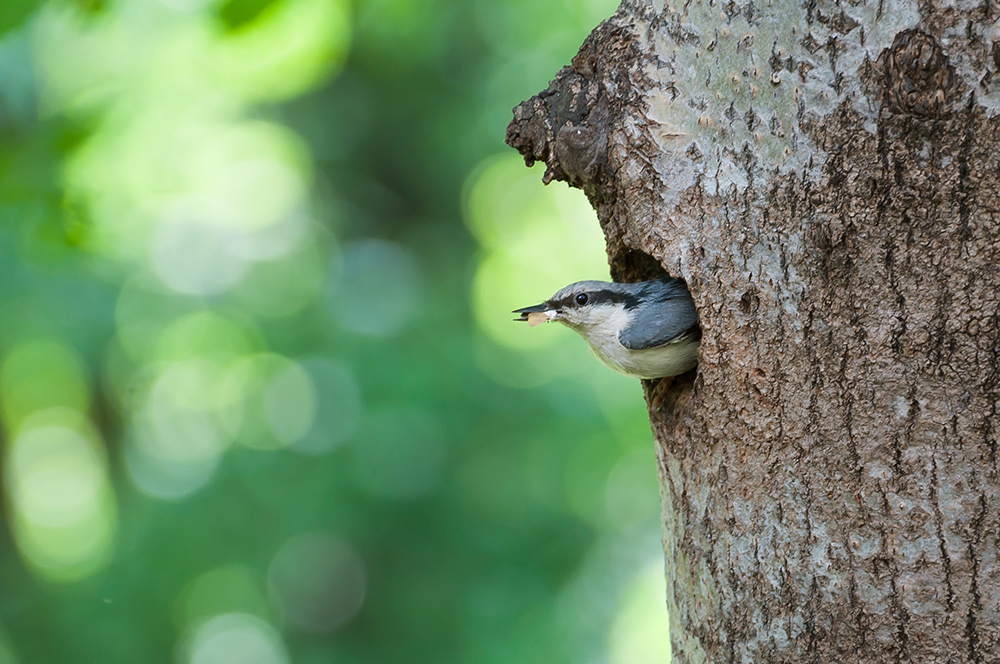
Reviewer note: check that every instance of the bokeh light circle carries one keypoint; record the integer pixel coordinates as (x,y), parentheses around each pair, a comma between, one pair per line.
(194,254)
(175,440)
(266,401)
(318,581)
(534,239)
(376,289)
(62,505)
(236,638)
(339,406)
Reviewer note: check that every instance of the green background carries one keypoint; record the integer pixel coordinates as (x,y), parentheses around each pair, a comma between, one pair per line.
(261,395)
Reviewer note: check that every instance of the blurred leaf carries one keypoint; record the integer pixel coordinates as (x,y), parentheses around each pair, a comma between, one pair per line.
(37,375)
(237,13)
(14,12)
(93,7)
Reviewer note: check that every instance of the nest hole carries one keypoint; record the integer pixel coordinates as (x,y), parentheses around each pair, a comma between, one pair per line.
(666,397)
(632,265)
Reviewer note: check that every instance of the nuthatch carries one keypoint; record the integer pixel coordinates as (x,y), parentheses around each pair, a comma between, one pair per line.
(647,329)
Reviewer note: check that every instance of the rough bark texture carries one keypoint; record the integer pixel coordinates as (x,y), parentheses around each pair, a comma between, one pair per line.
(826,177)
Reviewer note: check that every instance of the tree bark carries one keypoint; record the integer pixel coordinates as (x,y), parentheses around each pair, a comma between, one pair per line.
(826,177)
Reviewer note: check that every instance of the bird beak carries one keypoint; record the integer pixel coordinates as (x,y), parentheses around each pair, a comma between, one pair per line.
(536,315)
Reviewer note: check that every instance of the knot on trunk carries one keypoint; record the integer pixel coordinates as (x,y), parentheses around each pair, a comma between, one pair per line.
(916,77)
(566,125)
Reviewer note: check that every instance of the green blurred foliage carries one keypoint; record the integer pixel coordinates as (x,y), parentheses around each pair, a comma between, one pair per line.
(261,396)
(237,13)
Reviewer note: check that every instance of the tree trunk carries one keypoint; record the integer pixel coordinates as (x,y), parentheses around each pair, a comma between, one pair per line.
(826,177)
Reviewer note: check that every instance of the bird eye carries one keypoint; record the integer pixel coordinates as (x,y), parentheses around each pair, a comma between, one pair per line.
(582,299)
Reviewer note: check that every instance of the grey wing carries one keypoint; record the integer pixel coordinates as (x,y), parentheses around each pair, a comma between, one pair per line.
(669,317)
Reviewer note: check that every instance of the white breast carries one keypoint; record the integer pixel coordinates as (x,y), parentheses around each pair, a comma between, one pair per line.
(669,360)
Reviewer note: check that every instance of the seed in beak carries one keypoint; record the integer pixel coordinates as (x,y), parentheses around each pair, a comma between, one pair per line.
(537,318)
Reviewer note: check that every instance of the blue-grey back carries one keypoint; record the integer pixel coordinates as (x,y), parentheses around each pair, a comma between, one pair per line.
(665,312)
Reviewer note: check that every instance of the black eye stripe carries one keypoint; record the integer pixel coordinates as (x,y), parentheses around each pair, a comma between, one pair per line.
(600,296)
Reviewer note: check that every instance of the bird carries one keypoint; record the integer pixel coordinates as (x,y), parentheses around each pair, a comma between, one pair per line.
(647,329)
